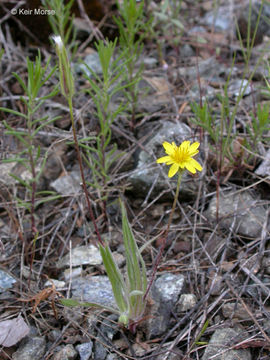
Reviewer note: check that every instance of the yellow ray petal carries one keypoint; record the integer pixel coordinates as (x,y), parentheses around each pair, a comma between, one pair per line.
(173,170)
(163,159)
(169,148)
(196,165)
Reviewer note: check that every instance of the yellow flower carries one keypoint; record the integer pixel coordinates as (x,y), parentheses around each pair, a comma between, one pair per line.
(180,157)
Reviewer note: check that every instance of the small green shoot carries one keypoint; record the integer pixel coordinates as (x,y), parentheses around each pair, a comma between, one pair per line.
(128,293)
(100,154)
(30,157)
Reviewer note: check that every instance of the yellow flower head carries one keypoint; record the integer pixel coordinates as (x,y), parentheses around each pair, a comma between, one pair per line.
(180,157)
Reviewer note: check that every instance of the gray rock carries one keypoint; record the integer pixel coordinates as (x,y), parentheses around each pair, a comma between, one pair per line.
(150,62)
(223,339)
(239,87)
(81,255)
(85,350)
(6,281)
(112,357)
(66,353)
(72,273)
(5,178)
(220,18)
(239,210)
(68,184)
(187,52)
(82,27)
(108,329)
(264,168)
(154,94)
(207,68)
(233,310)
(186,302)
(148,172)
(95,289)
(12,331)
(100,351)
(33,348)
(59,285)
(54,335)
(165,294)
(109,326)
(168,287)
(159,318)
(93,62)
(216,283)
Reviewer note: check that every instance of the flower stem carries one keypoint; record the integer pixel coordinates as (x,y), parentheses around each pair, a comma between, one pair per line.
(164,238)
(87,196)
(180,174)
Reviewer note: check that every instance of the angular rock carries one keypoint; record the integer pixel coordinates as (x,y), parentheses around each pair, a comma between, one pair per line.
(12,331)
(148,172)
(233,310)
(92,62)
(157,97)
(207,68)
(221,19)
(57,283)
(168,287)
(95,289)
(150,62)
(109,326)
(33,348)
(108,329)
(72,273)
(112,357)
(5,178)
(239,210)
(223,339)
(66,353)
(186,302)
(100,351)
(85,350)
(264,168)
(68,184)
(6,281)
(165,294)
(81,255)
(239,87)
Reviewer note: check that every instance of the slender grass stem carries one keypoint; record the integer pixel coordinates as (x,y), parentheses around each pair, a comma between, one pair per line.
(164,238)
(87,196)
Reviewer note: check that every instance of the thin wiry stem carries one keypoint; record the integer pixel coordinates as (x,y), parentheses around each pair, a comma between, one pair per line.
(164,238)
(87,196)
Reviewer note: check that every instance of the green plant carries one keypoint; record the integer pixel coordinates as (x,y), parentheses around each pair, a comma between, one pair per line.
(129,293)
(62,21)
(260,123)
(30,157)
(68,90)
(220,127)
(101,154)
(167,27)
(132,31)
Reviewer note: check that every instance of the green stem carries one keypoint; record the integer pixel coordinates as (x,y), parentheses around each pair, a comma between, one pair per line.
(69,99)
(180,174)
(164,238)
